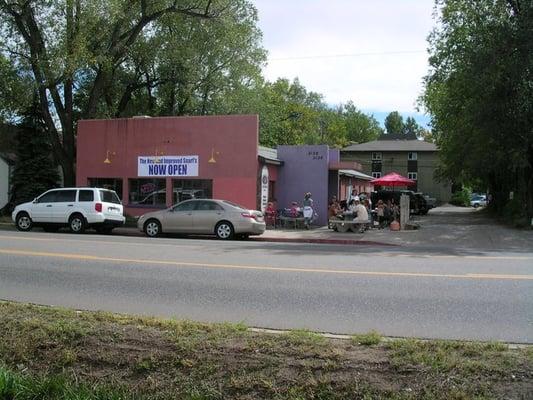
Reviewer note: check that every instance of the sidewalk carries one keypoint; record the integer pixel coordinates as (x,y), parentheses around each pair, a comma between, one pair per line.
(444,227)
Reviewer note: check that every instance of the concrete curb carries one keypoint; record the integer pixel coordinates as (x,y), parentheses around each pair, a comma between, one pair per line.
(322,241)
(386,339)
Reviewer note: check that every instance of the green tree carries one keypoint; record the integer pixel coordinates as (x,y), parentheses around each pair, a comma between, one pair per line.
(288,114)
(360,127)
(394,123)
(479,93)
(411,127)
(35,170)
(77,49)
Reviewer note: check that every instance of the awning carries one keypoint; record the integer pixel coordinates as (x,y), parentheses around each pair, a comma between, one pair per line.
(355,174)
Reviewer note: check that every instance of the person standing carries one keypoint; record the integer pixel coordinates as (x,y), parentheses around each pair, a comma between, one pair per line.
(353,195)
(308,210)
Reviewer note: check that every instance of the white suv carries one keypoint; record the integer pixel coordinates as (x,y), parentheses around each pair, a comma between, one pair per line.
(77,208)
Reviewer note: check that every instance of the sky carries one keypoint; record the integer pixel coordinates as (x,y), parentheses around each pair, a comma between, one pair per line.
(371,52)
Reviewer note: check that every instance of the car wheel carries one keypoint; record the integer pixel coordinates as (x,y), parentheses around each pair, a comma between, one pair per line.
(24,222)
(224,230)
(152,228)
(476,205)
(76,223)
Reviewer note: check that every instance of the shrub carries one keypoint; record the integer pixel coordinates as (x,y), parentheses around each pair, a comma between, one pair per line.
(461,198)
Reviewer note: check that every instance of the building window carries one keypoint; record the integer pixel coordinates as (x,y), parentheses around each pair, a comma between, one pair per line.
(376,175)
(412,156)
(185,189)
(376,156)
(107,183)
(148,192)
(412,175)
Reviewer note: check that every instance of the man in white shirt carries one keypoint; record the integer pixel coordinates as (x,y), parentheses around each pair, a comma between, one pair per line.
(362,214)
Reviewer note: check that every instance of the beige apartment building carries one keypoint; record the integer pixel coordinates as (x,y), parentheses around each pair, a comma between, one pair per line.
(405,155)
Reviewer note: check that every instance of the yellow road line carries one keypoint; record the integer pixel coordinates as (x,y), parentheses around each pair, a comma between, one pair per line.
(263,268)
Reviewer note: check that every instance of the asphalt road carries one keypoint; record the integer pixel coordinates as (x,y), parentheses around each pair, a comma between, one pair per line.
(330,288)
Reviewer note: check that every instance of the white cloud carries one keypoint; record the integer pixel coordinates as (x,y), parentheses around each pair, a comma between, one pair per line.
(301,28)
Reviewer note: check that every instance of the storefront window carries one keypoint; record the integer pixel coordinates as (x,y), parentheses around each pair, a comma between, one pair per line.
(148,192)
(107,183)
(185,189)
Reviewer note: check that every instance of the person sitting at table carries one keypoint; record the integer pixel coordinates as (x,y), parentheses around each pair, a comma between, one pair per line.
(294,210)
(368,207)
(334,208)
(270,214)
(380,212)
(361,214)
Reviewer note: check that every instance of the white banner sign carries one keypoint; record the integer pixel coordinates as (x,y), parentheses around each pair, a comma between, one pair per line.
(167,166)
(264,188)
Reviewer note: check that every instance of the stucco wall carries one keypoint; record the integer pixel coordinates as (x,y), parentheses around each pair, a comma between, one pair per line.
(305,169)
(232,140)
(4,183)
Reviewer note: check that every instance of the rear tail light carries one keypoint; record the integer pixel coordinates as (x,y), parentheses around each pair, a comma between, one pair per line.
(249,215)
(98,207)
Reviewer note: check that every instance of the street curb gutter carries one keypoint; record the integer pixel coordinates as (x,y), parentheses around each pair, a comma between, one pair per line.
(511,346)
(321,241)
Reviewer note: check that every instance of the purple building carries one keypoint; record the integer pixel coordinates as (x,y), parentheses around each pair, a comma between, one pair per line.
(305,169)
(315,169)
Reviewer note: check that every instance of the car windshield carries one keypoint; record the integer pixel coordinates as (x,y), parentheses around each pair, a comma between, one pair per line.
(107,196)
(235,205)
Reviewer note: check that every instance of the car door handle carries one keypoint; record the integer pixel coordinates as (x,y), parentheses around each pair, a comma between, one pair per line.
(49,205)
(70,205)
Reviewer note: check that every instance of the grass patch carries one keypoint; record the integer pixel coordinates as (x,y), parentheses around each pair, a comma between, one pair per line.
(50,353)
(371,338)
(23,387)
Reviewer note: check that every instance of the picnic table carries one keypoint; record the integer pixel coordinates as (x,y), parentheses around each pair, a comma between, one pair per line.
(345,222)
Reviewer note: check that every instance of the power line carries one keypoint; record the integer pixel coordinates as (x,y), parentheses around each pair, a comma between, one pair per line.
(377,53)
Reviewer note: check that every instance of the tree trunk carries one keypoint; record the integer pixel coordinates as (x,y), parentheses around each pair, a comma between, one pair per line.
(529,184)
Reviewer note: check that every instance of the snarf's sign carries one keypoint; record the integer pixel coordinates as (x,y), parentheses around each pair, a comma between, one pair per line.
(167,166)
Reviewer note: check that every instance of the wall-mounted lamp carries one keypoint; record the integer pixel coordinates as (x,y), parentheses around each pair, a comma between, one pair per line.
(157,155)
(212,159)
(107,155)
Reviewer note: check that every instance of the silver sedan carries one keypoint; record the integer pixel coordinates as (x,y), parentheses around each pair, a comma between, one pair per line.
(222,218)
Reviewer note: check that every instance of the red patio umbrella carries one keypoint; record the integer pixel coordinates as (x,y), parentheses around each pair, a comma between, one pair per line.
(393,179)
